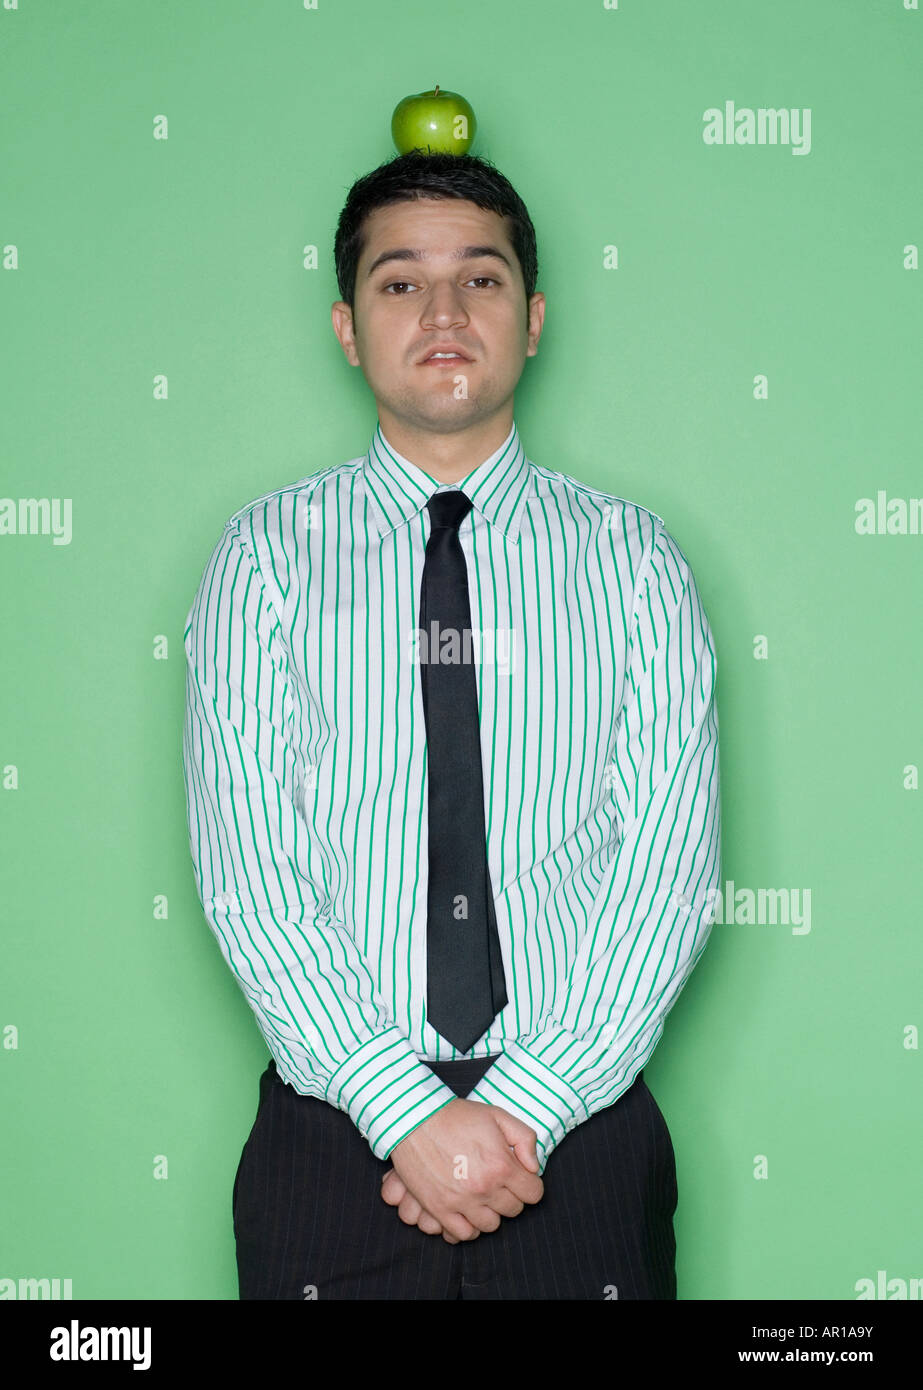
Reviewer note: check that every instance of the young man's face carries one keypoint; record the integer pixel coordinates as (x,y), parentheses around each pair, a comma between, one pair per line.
(405,308)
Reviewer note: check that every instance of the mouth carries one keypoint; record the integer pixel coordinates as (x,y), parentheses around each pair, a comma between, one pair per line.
(450,359)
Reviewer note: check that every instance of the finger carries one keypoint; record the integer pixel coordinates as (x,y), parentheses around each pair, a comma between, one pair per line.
(458,1226)
(409,1210)
(393,1190)
(525,1186)
(506,1203)
(525,1152)
(518,1135)
(429,1224)
(485,1219)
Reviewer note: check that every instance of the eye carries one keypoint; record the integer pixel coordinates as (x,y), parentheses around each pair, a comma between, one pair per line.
(394,284)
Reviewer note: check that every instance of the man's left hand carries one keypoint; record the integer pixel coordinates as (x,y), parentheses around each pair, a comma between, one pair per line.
(394,1192)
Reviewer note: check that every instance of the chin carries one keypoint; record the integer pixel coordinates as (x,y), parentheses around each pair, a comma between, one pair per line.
(441,410)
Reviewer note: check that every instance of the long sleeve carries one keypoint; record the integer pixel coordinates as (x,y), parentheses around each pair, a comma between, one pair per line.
(300,969)
(651,917)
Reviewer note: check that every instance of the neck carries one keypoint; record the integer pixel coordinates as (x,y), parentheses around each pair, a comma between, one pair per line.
(447,458)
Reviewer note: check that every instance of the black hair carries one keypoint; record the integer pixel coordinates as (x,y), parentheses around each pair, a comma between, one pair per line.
(418,174)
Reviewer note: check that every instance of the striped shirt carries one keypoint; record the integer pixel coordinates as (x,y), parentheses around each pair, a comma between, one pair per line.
(304,755)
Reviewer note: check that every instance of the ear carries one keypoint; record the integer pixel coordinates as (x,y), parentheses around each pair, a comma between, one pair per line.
(342,319)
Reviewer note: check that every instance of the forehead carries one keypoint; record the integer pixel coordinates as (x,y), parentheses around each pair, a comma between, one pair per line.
(437,226)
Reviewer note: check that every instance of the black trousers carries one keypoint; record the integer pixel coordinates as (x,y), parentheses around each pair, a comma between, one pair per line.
(310,1222)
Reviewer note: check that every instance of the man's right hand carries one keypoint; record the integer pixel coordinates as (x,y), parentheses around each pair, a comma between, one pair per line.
(468,1165)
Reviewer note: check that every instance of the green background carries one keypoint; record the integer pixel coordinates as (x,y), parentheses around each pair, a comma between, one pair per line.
(184,257)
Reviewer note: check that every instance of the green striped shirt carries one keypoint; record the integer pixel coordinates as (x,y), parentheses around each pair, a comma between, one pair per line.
(304,755)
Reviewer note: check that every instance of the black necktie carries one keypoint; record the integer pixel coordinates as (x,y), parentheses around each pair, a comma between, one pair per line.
(465,988)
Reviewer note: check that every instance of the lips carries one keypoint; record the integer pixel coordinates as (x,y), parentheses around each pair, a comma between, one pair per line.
(458,354)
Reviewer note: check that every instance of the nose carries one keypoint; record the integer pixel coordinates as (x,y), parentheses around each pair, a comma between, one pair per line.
(444,307)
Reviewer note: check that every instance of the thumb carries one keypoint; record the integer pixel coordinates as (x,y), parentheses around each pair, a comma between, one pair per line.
(520,1137)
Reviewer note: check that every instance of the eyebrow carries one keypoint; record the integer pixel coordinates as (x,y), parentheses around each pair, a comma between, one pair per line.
(464,253)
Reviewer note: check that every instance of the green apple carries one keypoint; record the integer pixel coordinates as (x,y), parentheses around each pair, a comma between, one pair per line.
(435,122)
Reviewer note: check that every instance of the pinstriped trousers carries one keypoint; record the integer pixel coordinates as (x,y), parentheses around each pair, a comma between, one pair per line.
(310,1222)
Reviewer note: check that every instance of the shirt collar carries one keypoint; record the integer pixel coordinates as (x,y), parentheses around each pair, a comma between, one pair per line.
(397,489)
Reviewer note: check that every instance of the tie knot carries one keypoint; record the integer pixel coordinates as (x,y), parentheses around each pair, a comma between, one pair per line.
(448,509)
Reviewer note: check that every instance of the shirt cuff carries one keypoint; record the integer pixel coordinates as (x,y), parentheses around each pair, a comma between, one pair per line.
(520,1082)
(386,1090)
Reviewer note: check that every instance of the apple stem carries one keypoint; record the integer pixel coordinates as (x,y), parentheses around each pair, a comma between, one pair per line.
(436,93)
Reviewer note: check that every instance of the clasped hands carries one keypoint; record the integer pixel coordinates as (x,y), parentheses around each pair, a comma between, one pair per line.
(464,1168)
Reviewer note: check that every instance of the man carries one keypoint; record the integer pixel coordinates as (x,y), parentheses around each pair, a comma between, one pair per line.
(451,758)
